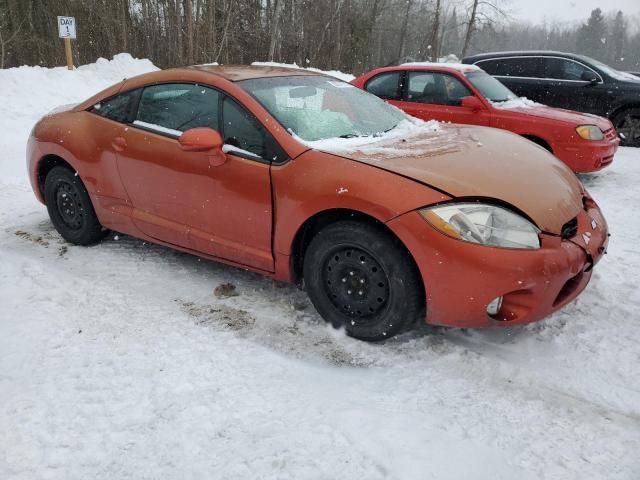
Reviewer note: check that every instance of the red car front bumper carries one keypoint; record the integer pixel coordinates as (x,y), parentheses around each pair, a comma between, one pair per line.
(462,278)
(584,156)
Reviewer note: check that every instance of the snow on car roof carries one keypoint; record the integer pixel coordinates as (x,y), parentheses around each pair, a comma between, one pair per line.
(455,66)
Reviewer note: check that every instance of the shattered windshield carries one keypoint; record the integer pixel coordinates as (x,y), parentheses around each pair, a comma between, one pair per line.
(319,107)
(490,88)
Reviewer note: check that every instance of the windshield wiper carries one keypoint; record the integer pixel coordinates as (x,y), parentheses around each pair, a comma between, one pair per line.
(349,135)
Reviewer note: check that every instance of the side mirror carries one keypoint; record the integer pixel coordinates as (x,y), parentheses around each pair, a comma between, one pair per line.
(472,103)
(589,76)
(204,139)
(200,140)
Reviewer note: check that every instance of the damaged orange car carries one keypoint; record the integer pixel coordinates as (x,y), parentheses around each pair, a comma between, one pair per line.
(299,176)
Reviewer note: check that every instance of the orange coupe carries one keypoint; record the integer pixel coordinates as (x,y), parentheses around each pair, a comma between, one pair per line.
(384,219)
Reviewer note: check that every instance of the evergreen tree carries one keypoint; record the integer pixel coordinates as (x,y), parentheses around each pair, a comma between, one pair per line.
(592,36)
(618,37)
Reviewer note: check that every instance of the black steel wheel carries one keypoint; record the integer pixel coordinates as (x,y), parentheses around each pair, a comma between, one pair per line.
(627,124)
(359,277)
(70,208)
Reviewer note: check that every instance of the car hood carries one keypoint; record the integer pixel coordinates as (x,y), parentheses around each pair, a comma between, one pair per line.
(559,114)
(475,162)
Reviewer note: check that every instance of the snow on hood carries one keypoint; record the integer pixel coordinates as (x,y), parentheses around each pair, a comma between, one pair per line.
(520,102)
(346,77)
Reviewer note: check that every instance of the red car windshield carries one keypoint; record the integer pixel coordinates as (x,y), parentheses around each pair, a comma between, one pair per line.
(490,88)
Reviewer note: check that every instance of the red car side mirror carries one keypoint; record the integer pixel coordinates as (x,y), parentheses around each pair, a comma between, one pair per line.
(204,139)
(473,103)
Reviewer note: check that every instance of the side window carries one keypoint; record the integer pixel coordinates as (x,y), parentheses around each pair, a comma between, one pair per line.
(435,88)
(177,107)
(116,108)
(456,90)
(240,130)
(386,85)
(530,67)
(561,69)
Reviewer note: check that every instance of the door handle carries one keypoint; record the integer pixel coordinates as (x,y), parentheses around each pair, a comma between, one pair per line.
(119,144)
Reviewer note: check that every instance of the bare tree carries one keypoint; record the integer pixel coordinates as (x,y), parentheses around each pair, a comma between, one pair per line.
(7,38)
(482,11)
(403,30)
(435,32)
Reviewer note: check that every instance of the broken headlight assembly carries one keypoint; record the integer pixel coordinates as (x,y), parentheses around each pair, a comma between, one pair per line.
(483,224)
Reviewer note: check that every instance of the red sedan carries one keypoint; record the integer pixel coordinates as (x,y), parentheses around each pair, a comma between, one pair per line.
(466,94)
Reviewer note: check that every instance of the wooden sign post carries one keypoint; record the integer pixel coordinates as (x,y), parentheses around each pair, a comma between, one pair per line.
(67,31)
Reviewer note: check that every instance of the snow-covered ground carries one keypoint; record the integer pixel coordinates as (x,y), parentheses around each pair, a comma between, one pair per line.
(118,361)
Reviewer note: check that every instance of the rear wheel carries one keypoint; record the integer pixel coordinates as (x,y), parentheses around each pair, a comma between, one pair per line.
(70,207)
(627,124)
(358,276)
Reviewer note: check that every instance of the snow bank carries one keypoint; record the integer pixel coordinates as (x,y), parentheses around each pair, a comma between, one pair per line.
(35,91)
(451,58)
(346,77)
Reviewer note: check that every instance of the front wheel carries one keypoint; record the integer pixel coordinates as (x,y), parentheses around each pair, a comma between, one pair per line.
(627,124)
(359,276)
(70,207)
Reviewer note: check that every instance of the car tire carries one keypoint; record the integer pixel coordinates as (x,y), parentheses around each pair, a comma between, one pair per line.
(70,207)
(358,276)
(627,124)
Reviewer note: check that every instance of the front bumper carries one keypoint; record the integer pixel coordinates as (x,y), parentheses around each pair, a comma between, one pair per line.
(462,278)
(584,156)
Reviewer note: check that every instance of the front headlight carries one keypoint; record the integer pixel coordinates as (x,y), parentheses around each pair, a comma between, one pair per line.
(590,132)
(483,224)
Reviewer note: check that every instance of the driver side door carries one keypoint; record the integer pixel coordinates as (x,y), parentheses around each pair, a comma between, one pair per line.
(438,96)
(181,197)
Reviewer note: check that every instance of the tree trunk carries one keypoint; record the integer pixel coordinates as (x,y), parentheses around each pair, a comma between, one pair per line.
(223,40)
(470,28)
(403,31)
(187,6)
(275,15)
(435,34)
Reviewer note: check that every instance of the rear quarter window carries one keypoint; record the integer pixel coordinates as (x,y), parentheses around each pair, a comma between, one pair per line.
(117,108)
(386,86)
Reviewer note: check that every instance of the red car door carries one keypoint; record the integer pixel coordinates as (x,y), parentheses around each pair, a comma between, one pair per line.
(180,197)
(438,96)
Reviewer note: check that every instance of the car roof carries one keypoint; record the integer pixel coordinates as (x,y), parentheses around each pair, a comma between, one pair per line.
(235,73)
(524,53)
(458,67)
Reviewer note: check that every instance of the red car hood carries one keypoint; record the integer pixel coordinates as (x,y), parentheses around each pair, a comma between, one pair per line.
(569,116)
(476,162)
